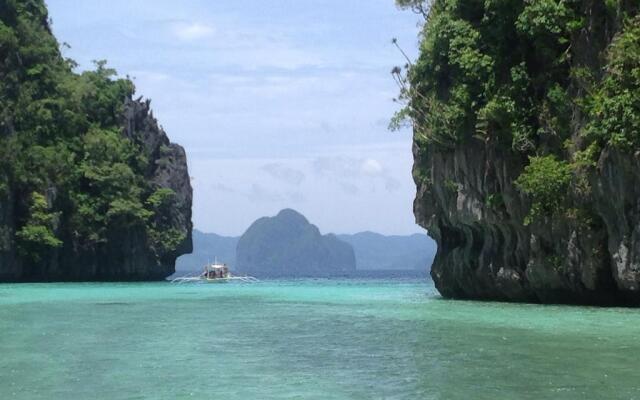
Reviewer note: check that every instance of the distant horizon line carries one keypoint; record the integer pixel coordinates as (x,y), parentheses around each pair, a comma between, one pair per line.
(328,233)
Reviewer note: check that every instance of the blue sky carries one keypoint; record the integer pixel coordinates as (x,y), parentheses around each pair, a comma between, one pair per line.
(277,103)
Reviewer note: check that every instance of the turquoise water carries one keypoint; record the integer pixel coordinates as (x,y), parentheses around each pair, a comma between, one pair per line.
(306,340)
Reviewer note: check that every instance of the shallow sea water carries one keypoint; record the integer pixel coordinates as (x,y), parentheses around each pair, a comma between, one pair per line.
(311,339)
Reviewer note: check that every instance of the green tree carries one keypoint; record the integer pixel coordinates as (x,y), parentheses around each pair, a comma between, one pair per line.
(162,203)
(546,181)
(36,236)
(614,107)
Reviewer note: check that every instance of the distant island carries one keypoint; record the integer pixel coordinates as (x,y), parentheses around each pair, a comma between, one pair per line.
(273,239)
(376,252)
(91,187)
(287,245)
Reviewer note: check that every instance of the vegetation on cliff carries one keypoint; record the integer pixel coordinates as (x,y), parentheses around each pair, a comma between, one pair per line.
(515,73)
(67,171)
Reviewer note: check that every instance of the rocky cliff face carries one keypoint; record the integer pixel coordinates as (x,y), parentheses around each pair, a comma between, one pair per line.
(486,252)
(287,245)
(168,169)
(586,248)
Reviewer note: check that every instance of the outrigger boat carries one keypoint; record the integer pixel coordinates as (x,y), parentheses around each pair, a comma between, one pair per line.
(214,273)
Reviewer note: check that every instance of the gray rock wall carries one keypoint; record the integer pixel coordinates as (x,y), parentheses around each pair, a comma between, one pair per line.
(467,200)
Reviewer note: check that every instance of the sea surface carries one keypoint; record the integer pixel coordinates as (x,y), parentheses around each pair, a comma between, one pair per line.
(309,339)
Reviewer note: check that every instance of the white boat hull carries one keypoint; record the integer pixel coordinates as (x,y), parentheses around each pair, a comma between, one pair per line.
(195,279)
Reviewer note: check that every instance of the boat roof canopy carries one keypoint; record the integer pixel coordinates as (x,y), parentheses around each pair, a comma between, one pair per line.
(217,266)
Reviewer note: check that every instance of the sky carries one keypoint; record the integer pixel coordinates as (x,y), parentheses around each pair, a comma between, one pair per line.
(278,104)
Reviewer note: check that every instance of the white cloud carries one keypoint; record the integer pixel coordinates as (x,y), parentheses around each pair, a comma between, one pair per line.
(192,31)
(371,167)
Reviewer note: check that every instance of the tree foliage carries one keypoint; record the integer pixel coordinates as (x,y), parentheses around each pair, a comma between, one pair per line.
(62,131)
(512,73)
(36,235)
(546,180)
(614,107)
(494,69)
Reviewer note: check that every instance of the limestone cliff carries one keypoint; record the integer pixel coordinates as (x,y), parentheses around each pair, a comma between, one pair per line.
(527,162)
(91,188)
